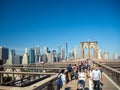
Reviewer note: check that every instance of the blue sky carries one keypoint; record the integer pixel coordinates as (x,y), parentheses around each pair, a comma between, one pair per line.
(26,23)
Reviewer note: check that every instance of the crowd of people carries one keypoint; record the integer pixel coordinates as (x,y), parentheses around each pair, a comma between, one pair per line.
(81,71)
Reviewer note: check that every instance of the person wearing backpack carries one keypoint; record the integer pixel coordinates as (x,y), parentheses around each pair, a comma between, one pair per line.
(61,80)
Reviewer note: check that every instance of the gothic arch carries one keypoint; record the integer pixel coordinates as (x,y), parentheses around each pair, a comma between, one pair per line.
(85,50)
(88,45)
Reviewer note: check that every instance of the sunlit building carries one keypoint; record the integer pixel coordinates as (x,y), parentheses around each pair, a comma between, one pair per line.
(106,55)
(50,57)
(63,54)
(11,57)
(45,50)
(37,54)
(115,56)
(25,57)
(76,53)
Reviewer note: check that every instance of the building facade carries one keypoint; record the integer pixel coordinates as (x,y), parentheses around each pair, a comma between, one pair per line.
(106,55)
(18,59)
(37,54)
(66,50)
(4,52)
(25,57)
(11,56)
(31,56)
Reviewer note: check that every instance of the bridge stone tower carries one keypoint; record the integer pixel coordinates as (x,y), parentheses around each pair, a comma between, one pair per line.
(88,45)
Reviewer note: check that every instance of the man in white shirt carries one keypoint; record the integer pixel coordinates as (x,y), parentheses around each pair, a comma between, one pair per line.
(96,77)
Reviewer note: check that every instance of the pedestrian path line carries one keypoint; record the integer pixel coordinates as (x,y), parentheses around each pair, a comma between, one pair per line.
(90,83)
(111,81)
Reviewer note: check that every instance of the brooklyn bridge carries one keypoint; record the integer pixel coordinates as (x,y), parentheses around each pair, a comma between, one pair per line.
(44,76)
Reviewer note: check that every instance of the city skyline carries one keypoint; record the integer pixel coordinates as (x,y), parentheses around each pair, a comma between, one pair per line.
(25,24)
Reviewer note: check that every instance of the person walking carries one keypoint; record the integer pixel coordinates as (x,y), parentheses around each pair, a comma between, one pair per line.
(69,72)
(81,80)
(96,77)
(75,70)
(61,80)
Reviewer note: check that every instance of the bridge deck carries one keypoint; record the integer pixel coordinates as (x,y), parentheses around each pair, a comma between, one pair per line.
(108,85)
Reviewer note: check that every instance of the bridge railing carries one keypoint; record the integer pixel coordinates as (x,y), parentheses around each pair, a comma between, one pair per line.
(22,76)
(47,84)
(112,73)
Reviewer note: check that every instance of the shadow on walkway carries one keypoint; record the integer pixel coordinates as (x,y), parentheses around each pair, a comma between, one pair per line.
(69,88)
(86,88)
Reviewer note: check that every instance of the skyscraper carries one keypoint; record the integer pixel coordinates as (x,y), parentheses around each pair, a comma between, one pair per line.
(106,55)
(73,55)
(25,57)
(37,54)
(50,57)
(115,57)
(3,55)
(70,55)
(63,54)
(17,59)
(45,50)
(59,54)
(76,53)
(11,56)
(44,58)
(66,50)
(54,56)
(37,50)
(59,50)
(31,56)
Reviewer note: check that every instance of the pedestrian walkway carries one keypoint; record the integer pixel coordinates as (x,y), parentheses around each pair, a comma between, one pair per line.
(108,85)
(72,85)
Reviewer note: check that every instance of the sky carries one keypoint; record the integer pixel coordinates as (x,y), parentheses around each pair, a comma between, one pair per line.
(27,23)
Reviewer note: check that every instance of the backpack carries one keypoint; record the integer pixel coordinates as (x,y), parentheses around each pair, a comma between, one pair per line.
(59,81)
(69,69)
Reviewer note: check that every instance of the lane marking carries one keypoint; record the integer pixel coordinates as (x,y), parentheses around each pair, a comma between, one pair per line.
(90,83)
(111,81)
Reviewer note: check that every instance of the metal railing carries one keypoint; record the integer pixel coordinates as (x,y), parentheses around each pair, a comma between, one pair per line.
(112,73)
(47,84)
